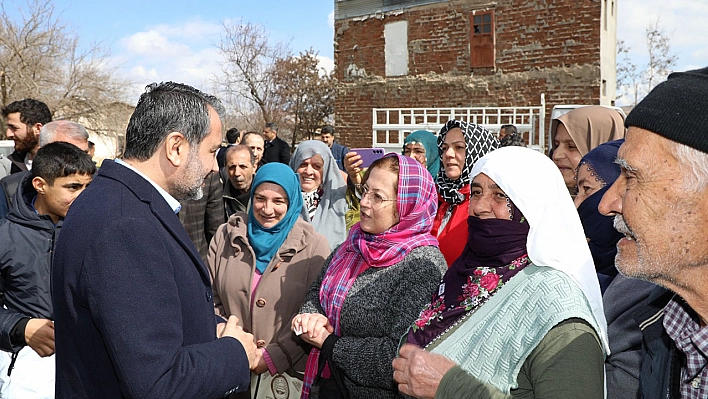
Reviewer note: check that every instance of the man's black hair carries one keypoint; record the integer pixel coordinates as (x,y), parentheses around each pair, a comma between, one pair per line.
(31,111)
(510,129)
(232,135)
(327,129)
(60,159)
(165,108)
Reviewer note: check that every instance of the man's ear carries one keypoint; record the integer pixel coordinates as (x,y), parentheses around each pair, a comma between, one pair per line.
(176,148)
(40,185)
(36,128)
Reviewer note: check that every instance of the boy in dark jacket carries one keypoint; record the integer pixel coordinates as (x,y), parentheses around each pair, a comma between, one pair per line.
(60,172)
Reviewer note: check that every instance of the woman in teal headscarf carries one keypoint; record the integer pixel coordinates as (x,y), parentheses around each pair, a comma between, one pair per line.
(422,146)
(262,264)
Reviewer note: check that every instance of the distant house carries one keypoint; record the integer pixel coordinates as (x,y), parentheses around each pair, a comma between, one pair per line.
(469,53)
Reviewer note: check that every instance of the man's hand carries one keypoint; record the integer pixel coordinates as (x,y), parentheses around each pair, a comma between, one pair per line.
(418,373)
(39,335)
(313,328)
(232,329)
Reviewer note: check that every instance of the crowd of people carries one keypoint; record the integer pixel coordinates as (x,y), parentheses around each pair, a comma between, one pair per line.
(465,266)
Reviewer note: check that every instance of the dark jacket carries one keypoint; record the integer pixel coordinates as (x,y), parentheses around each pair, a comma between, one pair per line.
(8,186)
(18,161)
(202,217)
(660,373)
(221,155)
(133,301)
(621,300)
(28,242)
(276,151)
(339,152)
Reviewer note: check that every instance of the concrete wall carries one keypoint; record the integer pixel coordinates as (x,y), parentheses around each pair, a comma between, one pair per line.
(542,46)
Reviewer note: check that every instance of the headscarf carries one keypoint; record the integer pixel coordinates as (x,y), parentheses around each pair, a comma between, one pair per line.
(590,126)
(416,203)
(556,238)
(329,217)
(266,241)
(478,141)
(432,154)
(599,228)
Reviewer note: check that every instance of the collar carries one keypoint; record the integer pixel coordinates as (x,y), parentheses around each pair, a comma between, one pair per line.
(171,201)
(681,324)
(28,161)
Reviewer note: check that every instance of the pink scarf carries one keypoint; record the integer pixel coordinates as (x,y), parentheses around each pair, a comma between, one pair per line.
(417,205)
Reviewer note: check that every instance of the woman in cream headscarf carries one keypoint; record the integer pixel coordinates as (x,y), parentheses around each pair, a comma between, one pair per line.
(519,313)
(323,190)
(579,131)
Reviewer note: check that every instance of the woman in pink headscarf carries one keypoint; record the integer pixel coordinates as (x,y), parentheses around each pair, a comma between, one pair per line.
(374,285)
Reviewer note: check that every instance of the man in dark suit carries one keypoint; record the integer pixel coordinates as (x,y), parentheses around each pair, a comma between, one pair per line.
(134,315)
(275,150)
(233,137)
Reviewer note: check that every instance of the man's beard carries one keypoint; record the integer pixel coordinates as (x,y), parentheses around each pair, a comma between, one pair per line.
(28,143)
(189,185)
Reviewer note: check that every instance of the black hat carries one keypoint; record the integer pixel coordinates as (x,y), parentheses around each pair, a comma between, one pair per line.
(676,109)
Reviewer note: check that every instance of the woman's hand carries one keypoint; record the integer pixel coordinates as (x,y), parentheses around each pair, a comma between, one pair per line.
(418,373)
(313,328)
(352,161)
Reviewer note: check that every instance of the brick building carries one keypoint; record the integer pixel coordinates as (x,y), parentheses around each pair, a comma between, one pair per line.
(469,53)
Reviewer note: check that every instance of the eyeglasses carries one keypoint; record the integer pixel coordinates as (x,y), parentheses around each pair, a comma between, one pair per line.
(375,198)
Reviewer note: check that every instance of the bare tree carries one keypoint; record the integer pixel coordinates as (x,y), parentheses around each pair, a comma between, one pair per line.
(660,57)
(638,81)
(628,75)
(306,92)
(42,59)
(249,59)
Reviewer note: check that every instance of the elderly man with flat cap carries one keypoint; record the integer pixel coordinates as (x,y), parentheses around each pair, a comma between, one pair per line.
(660,203)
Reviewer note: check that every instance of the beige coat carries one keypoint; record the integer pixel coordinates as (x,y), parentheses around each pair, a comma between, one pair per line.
(280,292)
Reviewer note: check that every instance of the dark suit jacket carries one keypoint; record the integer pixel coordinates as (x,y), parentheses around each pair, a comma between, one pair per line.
(133,302)
(202,217)
(276,151)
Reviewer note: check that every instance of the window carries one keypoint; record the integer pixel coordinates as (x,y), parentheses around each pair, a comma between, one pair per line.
(396,51)
(482,39)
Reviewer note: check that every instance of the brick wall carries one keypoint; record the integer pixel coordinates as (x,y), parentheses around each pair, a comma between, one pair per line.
(543,46)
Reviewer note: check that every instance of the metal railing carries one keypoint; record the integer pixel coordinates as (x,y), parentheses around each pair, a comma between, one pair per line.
(391,125)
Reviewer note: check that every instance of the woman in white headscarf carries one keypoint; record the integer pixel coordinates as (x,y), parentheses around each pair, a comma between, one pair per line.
(519,313)
(323,190)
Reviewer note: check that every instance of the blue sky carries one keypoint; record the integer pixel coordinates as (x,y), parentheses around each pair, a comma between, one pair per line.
(175,40)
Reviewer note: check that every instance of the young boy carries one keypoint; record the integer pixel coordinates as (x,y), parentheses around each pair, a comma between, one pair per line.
(60,172)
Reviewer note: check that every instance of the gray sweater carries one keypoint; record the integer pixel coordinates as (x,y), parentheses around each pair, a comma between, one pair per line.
(380,306)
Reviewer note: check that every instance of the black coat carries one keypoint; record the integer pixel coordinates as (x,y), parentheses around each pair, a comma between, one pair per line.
(276,151)
(133,301)
(27,244)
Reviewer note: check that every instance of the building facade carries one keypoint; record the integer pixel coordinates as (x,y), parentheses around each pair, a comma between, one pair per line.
(469,53)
